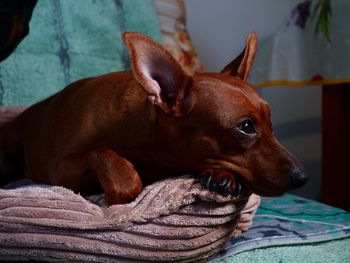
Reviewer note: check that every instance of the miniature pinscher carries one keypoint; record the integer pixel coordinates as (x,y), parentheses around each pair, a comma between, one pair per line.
(124,130)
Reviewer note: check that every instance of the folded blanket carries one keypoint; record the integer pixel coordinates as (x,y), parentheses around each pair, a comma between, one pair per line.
(171,220)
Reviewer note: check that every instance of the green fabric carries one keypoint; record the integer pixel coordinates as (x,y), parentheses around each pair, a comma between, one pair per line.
(295,207)
(290,228)
(70,40)
(326,252)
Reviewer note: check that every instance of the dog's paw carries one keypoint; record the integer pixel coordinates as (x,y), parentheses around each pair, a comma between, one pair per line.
(220,181)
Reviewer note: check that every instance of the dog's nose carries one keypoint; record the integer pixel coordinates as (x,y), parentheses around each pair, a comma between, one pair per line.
(298,179)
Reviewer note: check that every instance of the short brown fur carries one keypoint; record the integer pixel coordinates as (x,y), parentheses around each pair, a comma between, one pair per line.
(126,129)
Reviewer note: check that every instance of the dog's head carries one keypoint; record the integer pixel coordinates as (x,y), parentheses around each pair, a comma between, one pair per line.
(213,120)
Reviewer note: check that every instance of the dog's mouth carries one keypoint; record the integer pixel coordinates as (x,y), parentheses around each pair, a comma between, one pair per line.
(223,181)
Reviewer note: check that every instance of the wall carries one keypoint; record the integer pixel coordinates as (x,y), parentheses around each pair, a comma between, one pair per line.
(218,29)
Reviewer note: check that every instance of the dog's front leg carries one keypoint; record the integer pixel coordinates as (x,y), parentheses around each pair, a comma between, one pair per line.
(116,175)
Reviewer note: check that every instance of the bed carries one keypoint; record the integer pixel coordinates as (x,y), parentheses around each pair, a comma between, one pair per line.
(173,220)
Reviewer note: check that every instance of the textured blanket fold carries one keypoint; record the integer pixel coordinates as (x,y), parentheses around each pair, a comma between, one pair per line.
(172,220)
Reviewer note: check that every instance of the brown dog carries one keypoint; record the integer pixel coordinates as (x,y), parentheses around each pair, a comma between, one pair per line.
(126,129)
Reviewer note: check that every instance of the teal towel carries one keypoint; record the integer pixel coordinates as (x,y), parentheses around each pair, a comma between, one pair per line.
(70,40)
(336,251)
(292,229)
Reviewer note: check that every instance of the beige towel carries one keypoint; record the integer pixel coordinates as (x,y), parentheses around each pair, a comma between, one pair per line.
(171,220)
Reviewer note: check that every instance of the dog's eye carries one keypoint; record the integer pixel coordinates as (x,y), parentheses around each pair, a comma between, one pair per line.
(247,127)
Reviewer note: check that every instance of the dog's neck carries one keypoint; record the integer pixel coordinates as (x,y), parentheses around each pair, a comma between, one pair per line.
(133,104)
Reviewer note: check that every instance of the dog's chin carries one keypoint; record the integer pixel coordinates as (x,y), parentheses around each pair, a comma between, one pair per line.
(250,188)
(266,192)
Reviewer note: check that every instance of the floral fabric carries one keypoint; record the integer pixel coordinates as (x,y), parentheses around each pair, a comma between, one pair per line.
(171,16)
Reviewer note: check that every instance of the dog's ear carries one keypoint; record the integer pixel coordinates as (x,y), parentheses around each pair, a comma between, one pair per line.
(167,85)
(241,66)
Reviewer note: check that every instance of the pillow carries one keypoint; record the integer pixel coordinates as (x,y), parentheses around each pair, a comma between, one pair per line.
(70,40)
(172,22)
(171,220)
